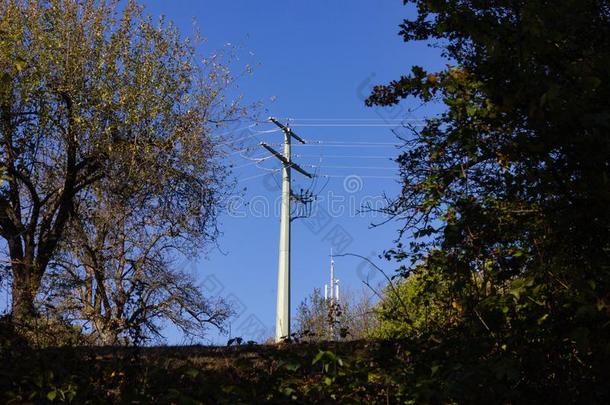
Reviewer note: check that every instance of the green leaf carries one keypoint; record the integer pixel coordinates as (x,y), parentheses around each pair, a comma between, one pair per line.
(318,357)
(192,372)
(373,377)
(542,319)
(471,110)
(52,395)
(292,366)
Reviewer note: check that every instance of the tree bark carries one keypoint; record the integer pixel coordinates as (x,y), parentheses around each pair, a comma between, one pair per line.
(23,293)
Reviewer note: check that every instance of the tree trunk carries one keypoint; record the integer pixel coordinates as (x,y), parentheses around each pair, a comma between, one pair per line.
(23,295)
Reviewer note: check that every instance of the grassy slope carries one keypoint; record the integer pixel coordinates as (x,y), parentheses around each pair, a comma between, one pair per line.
(353,372)
(454,370)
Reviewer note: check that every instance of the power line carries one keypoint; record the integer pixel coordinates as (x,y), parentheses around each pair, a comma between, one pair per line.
(362,177)
(388,125)
(345,157)
(318,143)
(237,129)
(256,133)
(240,151)
(352,143)
(255,161)
(360,119)
(255,177)
(350,146)
(269,131)
(353,167)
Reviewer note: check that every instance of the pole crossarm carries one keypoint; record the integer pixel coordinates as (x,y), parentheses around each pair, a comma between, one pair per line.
(275,153)
(287,130)
(298,169)
(285,161)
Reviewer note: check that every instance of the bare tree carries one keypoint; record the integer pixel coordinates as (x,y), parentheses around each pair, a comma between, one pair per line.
(358,315)
(118,272)
(352,317)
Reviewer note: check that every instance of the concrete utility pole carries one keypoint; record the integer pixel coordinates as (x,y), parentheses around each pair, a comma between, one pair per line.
(282,318)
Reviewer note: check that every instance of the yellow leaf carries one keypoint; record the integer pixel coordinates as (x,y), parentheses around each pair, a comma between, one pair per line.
(20,64)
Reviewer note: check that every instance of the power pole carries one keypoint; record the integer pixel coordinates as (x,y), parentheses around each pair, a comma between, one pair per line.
(282,318)
(331,294)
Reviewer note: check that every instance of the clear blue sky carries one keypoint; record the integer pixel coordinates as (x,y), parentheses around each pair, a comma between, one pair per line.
(313,60)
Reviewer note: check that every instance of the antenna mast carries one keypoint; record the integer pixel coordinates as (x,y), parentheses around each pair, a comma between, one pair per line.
(331,295)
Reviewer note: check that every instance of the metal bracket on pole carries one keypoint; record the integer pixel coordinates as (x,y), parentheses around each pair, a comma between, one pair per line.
(285,161)
(286,129)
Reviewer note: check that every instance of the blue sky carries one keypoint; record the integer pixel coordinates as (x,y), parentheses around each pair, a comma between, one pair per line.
(314,62)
